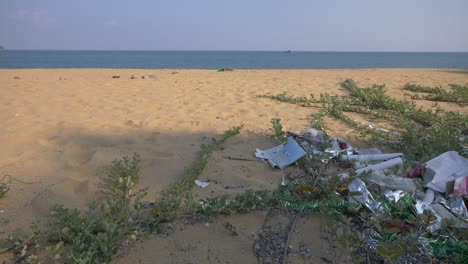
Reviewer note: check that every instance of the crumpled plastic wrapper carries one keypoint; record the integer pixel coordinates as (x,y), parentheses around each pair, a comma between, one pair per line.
(365,198)
(311,138)
(421,207)
(456,205)
(394,196)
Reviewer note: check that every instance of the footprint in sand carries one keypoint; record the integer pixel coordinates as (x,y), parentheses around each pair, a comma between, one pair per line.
(166,155)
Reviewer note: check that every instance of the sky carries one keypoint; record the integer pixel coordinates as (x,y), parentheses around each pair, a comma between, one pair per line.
(308,25)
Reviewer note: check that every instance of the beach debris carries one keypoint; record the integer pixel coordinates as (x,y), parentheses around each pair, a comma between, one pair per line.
(376,168)
(135,76)
(313,140)
(311,135)
(381,166)
(148,76)
(460,186)
(443,169)
(283,182)
(394,196)
(201,184)
(447,216)
(174,72)
(425,208)
(360,196)
(225,69)
(115,77)
(16,78)
(456,205)
(392,181)
(282,155)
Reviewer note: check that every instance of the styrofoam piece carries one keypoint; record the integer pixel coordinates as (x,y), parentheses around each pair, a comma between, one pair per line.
(445,168)
(381,166)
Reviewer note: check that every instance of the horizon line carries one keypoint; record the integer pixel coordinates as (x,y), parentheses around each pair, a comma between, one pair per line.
(221,50)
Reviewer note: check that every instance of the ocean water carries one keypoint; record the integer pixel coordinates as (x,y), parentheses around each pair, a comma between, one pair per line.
(12,59)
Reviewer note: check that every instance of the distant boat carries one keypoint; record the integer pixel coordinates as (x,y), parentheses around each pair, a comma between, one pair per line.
(288,51)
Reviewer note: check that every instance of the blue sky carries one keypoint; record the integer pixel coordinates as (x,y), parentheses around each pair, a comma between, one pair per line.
(315,25)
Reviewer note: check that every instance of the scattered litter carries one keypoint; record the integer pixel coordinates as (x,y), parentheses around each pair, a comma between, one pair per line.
(422,207)
(460,186)
(392,181)
(443,169)
(115,77)
(283,182)
(376,168)
(16,78)
(456,205)
(394,196)
(225,70)
(445,215)
(135,76)
(148,76)
(311,135)
(201,184)
(282,155)
(359,195)
(381,166)
(312,139)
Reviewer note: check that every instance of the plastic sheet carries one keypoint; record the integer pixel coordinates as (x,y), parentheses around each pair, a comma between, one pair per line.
(201,184)
(421,207)
(394,196)
(359,195)
(282,155)
(456,205)
(392,182)
(443,169)
(461,186)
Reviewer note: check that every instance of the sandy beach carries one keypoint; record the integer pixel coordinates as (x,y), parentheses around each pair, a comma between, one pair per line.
(61,128)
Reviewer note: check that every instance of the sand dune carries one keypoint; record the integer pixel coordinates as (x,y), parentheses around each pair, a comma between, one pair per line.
(60,128)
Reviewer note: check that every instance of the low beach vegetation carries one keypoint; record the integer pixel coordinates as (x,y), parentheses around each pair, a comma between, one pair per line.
(110,227)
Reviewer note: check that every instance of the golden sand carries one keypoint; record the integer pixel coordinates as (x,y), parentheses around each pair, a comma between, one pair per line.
(60,128)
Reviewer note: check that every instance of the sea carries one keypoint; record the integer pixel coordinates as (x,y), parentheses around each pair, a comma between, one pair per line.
(15,59)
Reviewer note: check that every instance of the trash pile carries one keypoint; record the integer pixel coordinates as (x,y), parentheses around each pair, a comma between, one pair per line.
(225,70)
(145,76)
(427,200)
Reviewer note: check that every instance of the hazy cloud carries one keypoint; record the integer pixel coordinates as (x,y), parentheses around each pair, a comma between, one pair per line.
(34,16)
